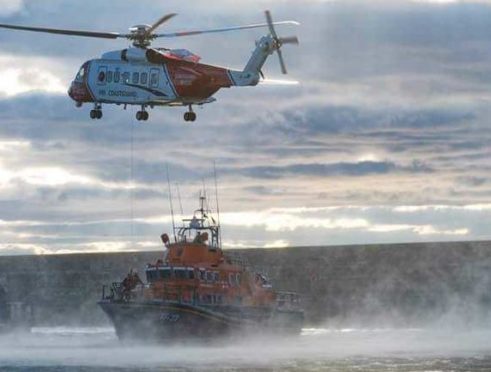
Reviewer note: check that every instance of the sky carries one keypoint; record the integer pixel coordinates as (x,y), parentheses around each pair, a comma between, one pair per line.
(385,139)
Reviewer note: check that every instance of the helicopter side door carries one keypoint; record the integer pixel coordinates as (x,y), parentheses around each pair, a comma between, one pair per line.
(160,85)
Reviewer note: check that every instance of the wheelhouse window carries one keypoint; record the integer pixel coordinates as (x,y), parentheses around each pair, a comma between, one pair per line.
(152,275)
(135,78)
(191,273)
(180,273)
(101,77)
(165,273)
(231,279)
(207,299)
(144,78)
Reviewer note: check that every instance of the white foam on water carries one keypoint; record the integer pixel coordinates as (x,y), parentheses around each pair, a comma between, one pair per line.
(70,331)
(99,347)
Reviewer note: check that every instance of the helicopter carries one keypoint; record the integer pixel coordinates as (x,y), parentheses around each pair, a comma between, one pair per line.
(148,77)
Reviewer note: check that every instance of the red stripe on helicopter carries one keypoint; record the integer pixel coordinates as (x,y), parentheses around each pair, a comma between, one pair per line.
(193,80)
(197,80)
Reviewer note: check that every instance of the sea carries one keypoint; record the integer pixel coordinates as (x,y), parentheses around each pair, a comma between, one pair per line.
(97,349)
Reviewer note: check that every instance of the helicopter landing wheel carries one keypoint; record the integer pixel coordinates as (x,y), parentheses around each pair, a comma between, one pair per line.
(189,116)
(142,116)
(95,114)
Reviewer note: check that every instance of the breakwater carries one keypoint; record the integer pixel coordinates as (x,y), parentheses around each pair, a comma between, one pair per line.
(383,285)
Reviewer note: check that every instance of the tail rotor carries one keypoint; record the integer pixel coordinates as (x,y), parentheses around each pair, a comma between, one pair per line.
(279,41)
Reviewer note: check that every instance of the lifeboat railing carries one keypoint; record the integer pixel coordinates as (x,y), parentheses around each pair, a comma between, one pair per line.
(115,291)
(118,293)
(176,295)
(235,259)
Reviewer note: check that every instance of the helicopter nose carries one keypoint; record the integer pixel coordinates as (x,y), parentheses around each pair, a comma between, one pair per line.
(79,92)
(70,91)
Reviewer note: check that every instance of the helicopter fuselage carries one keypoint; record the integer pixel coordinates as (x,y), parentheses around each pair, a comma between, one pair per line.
(151,78)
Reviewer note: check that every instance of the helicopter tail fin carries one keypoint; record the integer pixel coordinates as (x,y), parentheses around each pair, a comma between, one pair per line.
(266,46)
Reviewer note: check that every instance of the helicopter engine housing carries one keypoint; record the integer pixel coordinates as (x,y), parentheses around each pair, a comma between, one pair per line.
(134,55)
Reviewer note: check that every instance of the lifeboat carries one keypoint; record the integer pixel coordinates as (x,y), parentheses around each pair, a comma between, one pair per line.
(197,291)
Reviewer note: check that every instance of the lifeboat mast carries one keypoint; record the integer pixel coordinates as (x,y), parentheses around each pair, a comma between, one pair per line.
(201,223)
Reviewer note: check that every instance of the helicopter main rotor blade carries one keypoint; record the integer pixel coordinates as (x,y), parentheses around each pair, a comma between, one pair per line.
(102,35)
(225,29)
(162,20)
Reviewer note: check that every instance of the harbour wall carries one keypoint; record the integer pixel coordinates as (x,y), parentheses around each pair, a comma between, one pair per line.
(365,285)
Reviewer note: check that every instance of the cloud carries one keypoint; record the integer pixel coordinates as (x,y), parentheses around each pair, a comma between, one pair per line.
(443,2)
(8,7)
(361,168)
(31,74)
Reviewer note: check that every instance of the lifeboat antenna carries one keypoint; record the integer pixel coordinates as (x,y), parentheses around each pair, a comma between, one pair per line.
(205,197)
(216,198)
(170,203)
(179,197)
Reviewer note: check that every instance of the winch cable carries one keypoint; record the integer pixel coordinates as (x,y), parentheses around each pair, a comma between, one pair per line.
(131,186)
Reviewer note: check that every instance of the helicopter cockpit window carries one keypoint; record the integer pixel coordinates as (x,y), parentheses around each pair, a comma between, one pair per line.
(109,77)
(117,75)
(81,74)
(135,78)
(101,77)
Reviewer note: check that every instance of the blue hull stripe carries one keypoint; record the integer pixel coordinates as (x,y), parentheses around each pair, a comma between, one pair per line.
(153,91)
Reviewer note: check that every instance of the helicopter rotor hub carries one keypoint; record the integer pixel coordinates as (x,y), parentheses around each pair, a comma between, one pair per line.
(140,36)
